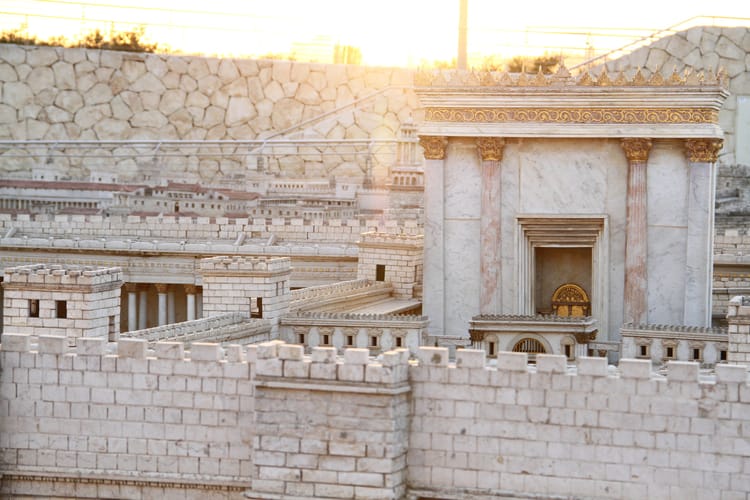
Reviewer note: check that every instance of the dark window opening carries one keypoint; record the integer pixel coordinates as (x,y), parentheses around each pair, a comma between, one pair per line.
(256,307)
(568,351)
(301,338)
(644,351)
(61,309)
(491,349)
(379,272)
(670,352)
(326,339)
(112,332)
(33,308)
(696,354)
(399,342)
(349,340)
(723,355)
(373,341)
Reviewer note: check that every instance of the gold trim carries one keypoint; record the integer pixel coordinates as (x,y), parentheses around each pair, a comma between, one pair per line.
(636,149)
(491,148)
(703,150)
(434,146)
(569,115)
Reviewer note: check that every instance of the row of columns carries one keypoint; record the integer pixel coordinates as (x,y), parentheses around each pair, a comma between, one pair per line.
(138,304)
(701,154)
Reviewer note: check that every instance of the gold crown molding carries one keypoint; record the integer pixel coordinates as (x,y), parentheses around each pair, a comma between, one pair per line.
(433,146)
(483,78)
(703,150)
(572,115)
(636,149)
(491,148)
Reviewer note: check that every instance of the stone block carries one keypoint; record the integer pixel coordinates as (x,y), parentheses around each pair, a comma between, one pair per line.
(433,356)
(269,367)
(323,355)
(291,352)
(351,372)
(323,371)
(356,356)
(297,368)
(92,346)
(268,350)
(731,373)
(551,363)
(635,368)
(169,350)
(204,351)
(252,353)
(470,358)
(132,348)
(14,342)
(512,361)
(592,366)
(683,371)
(53,344)
(235,353)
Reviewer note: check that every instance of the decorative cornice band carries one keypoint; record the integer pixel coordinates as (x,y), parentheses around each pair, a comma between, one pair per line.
(434,146)
(491,148)
(636,149)
(703,150)
(570,115)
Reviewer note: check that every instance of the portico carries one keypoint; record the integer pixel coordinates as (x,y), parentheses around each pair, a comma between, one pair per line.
(602,185)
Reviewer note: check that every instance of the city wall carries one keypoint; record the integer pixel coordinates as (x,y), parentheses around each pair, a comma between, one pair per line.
(53,93)
(279,424)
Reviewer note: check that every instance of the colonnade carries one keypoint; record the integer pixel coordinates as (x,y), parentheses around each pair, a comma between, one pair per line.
(138,304)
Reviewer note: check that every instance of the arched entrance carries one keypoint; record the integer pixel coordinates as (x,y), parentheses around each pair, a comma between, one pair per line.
(530,346)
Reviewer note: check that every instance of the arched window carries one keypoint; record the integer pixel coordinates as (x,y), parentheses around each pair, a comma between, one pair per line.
(529,345)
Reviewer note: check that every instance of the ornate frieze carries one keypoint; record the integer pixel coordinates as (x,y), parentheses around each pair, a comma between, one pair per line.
(491,148)
(703,150)
(636,149)
(434,146)
(568,115)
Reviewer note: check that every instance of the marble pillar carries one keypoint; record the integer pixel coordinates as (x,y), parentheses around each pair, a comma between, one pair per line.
(190,299)
(132,292)
(434,249)
(635,300)
(142,308)
(491,152)
(702,155)
(161,291)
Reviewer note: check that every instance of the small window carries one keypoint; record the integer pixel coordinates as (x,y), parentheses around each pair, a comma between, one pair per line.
(568,351)
(326,339)
(374,341)
(256,307)
(301,338)
(670,352)
(491,349)
(33,308)
(61,309)
(112,330)
(379,272)
(399,342)
(350,341)
(643,351)
(696,354)
(722,355)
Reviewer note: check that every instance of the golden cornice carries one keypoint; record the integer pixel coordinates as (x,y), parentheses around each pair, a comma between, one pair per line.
(703,150)
(491,148)
(433,146)
(570,115)
(482,78)
(636,149)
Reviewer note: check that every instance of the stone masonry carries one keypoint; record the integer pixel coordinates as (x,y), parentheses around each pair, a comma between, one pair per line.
(738,318)
(400,256)
(67,301)
(269,422)
(256,286)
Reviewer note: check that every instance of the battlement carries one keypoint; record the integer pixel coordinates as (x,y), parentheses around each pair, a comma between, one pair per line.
(57,275)
(391,239)
(236,265)
(337,316)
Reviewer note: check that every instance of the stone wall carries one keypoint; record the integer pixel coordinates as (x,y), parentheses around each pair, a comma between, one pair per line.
(399,257)
(664,343)
(277,423)
(738,317)
(53,93)
(703,49)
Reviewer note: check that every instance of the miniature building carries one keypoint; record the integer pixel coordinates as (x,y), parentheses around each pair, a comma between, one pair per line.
(533,184)
(395,258)
(258,287)
(66,301)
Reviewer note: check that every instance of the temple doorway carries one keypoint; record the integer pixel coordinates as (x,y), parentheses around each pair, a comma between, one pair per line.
(562,280)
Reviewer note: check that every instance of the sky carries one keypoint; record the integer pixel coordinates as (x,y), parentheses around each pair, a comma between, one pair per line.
(388,32)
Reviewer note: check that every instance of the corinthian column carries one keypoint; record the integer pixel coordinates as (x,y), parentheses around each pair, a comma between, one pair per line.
(491,151)
(434,248)
(635,301)
(702,155)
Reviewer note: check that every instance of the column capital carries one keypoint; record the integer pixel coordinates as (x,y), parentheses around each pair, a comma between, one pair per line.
(161,287)
(703,150)
(434,146)
(636,148)
(491,148)
(131,287)
(190,289)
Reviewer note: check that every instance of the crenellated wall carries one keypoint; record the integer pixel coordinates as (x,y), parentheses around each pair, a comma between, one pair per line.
(274,423)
